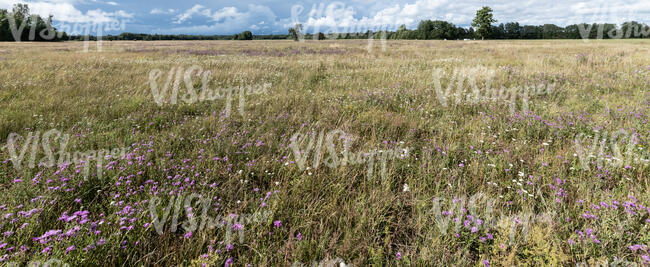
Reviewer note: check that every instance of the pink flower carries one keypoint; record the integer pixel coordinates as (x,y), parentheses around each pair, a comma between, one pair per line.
(70,248)
(299,236)
(277,224)
(398,255)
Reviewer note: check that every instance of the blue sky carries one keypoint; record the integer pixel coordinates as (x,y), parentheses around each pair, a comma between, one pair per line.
(271,16)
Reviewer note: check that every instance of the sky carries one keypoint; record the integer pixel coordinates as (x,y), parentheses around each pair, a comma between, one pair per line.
(275,17)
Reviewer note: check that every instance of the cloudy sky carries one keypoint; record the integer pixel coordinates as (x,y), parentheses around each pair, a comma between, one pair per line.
(273,16)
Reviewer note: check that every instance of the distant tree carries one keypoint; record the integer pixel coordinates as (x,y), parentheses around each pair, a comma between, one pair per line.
(295,31)
(498,32)
(552,31)
(483,21)
(321,36)
(5,35)
(633,29)
(245,35)
(513,30)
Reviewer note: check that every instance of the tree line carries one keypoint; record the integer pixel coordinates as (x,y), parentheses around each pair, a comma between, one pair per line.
(19,25)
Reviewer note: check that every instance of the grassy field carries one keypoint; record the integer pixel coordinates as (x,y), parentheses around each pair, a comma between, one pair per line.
(499,181)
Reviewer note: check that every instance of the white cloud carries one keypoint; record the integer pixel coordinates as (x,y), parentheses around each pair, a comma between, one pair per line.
(158,11)
(227,20)
(188,14)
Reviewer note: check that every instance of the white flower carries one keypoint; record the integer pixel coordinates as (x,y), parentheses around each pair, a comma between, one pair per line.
(406,188)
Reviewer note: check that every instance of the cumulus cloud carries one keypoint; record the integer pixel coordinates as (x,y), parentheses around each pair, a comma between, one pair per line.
(226,20)
(159,11)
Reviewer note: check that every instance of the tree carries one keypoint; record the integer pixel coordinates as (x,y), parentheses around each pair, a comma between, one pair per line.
(295,32)
(321,36)
(5,35)
(513,30)
(483,21)
(245,35)
(19,25)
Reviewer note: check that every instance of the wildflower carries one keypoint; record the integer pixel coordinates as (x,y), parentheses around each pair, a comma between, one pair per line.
(406,188)
(398,255)
(70,248)
(229,262)
(486,263)
(299,236)
(277,224)
(229,247)
(237,226)
(646,258)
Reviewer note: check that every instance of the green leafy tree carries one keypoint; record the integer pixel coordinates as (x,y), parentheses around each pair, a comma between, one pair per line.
(295,32)
(245,35)
(483,22)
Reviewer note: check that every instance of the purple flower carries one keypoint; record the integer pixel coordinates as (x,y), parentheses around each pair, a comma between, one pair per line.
(486,263)
(237,226)
(398,255)
(229,262)
(229,247)
(70,248)
(299,236)
(277,224)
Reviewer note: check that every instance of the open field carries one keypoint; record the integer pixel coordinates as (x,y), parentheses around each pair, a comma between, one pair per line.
(472,178)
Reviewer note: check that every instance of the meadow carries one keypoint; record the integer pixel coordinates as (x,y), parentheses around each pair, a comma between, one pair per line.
(296,168)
